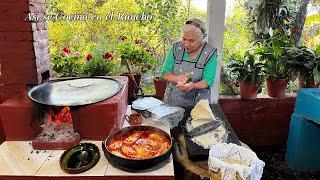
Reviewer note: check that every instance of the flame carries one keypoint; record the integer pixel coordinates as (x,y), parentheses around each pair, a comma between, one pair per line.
(59,115)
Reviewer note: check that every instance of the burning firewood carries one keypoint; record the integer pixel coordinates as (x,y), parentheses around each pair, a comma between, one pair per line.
(63,116)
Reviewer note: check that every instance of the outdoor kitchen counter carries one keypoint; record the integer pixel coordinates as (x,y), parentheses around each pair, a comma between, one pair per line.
(18,160)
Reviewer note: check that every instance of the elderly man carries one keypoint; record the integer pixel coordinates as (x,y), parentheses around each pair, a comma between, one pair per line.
(190,67)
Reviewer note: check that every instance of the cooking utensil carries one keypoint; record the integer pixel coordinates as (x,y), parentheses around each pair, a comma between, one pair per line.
(204,128)
(133,165)
(145,113)
(143,104)
(82,158)
(75,91)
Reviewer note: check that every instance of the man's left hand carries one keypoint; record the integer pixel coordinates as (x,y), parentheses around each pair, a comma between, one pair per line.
(187,87)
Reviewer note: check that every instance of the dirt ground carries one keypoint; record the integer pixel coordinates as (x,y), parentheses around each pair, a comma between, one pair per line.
(276,168)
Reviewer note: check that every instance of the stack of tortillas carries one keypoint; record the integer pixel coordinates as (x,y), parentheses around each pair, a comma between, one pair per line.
(201,113)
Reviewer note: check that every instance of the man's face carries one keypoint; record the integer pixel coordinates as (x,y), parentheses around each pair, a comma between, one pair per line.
(192,41)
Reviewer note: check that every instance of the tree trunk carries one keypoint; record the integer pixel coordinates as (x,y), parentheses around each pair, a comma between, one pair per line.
(184,167)
(300,19)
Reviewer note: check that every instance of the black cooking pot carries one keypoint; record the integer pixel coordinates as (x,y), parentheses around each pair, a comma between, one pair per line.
(134,164)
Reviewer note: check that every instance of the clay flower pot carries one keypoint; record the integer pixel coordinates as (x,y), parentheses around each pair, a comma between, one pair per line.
(277,87)
(309,84)
(248,91)
(160,86)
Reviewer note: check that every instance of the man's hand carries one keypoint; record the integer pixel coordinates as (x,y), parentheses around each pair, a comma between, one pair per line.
(187,87)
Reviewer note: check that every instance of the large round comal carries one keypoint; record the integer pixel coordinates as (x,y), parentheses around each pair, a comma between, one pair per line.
(75,91)
(137,147)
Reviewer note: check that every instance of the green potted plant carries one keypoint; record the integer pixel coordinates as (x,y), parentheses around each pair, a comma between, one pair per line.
(316,71)
(249,72)
(273,32)
(304,62)
(275,66)
(138,56)
(99,65)
(66,63)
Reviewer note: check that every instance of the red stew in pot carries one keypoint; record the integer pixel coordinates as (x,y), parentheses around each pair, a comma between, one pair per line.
(138,144)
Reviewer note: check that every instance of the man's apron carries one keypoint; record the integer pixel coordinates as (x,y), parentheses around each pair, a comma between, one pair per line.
(173,95)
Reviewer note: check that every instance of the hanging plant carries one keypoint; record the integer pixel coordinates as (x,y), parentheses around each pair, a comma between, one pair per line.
(269,15)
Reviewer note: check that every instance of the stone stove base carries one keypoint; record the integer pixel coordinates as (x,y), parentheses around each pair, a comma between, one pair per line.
(39,144)
(20,118)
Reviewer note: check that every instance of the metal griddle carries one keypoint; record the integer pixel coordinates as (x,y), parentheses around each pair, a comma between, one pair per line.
(75,91)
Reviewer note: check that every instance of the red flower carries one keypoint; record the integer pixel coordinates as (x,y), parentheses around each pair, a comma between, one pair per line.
(64,54)
(89,57)
(151,50)
(123,38)
(66,50)
(294,31)
(138,41)
(108,56)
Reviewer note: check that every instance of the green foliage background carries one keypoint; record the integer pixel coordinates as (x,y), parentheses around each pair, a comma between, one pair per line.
(98,37)
(102,35)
